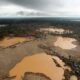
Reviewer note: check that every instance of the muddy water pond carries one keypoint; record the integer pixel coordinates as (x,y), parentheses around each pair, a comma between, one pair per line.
(65,43)
(39,63)
(8,41)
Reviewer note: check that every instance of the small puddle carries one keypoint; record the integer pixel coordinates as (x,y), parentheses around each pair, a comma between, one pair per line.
(40,63)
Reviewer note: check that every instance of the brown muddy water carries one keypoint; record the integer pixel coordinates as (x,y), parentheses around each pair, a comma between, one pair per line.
(39,63)
(6,42)
(65,43)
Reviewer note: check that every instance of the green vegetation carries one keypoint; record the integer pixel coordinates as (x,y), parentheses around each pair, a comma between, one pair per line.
(16,30)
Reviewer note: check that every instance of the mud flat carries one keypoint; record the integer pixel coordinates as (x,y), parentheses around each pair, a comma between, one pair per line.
(35,76)
(52,30)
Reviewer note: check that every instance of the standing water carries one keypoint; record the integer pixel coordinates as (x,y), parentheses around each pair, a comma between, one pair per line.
(39,63)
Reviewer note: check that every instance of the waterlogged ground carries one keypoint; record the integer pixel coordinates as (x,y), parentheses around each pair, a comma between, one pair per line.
(28,57)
